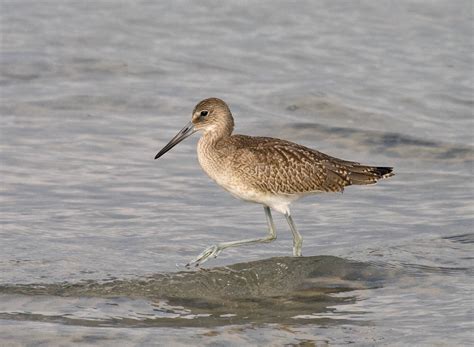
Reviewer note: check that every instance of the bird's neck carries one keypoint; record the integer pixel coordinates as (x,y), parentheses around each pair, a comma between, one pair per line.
(216,133)
(212,142)
(210,139)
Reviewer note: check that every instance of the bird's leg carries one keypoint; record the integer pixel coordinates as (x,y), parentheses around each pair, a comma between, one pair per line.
(215,250)
(297,238)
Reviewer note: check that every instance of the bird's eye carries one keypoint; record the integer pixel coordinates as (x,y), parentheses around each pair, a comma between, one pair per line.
(204,113)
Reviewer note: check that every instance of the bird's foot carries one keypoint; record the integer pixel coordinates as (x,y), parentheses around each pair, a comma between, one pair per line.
(212,251)
(297,252)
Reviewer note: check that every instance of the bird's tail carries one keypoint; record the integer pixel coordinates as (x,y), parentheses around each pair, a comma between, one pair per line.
(360,174)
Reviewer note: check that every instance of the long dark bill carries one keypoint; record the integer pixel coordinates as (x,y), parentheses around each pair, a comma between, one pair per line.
(187,131)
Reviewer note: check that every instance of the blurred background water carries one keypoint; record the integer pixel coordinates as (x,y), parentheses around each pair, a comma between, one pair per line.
(91,90)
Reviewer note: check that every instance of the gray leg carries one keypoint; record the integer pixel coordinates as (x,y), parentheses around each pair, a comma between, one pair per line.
(215,250)
(297,238)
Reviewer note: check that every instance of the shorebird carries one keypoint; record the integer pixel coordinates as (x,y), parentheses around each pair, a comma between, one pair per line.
(265,170)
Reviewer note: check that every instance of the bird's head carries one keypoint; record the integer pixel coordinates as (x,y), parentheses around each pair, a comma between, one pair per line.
(211,116)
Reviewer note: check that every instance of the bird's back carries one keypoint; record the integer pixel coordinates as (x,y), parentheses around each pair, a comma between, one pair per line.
(281,167)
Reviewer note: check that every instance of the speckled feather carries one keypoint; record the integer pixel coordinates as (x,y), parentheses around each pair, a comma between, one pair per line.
(270,165)
(265,170)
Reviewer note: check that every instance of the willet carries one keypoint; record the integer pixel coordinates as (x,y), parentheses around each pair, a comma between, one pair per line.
(265,170)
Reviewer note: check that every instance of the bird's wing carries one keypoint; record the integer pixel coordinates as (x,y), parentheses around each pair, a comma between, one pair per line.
(284,167)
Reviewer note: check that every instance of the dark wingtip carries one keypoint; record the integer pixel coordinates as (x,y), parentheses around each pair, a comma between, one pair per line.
(384,171)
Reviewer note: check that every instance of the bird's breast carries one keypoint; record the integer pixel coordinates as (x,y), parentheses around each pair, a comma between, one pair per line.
(219,166)
(214,164)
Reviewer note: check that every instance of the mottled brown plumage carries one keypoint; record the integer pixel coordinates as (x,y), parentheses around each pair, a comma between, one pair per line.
(266,170)
(282,167)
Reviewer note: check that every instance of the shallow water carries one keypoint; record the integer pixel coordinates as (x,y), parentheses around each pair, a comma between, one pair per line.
(92,227)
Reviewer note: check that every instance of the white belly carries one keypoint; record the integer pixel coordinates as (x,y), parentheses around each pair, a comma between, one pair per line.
(278,202)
